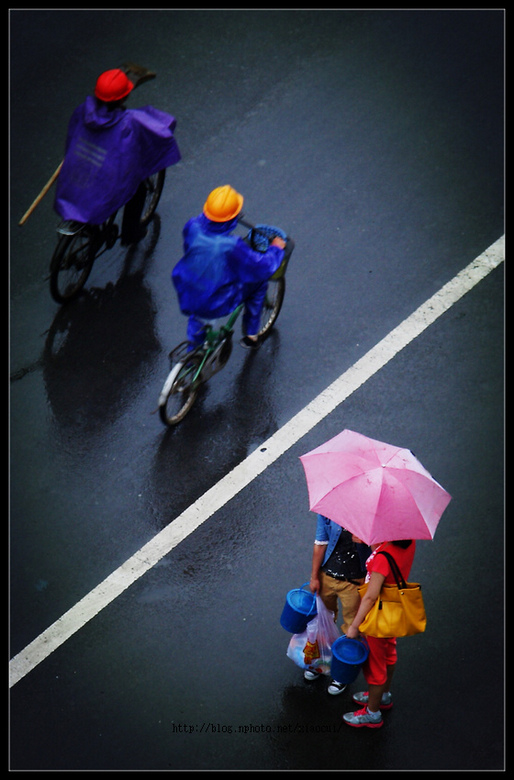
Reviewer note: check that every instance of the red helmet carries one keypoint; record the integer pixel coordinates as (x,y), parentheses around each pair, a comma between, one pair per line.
(113,85)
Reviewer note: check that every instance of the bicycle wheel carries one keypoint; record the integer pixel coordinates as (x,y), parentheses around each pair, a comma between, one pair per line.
(153,185)
(179,391)
(272,305)
(71,265)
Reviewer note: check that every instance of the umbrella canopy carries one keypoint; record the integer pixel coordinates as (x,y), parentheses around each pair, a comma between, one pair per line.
(378,491)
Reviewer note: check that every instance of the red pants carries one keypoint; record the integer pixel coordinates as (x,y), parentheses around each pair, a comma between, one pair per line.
(382,653)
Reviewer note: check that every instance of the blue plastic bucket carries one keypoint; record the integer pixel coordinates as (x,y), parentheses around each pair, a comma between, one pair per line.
(348,655)
(299,609)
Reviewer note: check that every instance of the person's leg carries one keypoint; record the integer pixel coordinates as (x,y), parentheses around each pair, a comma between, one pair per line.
(349,597)
(131,229)
(334,591)
(195,331)
(390,673)
(376,696)
(328,593)
(252,311)
(378,671)
(375,672)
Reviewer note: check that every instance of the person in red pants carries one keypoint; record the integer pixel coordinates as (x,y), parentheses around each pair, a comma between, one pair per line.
(380,665)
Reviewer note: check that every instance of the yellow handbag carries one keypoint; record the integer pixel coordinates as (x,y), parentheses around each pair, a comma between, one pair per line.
(398,611)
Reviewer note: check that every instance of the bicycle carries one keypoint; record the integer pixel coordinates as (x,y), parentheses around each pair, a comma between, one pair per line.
(79,244)
(191,368)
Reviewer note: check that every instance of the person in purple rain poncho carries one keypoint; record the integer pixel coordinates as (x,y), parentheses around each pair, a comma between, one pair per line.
(110,151)
(219,271)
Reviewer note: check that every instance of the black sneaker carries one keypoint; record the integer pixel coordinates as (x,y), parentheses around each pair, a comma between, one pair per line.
(250,343)
(336,687)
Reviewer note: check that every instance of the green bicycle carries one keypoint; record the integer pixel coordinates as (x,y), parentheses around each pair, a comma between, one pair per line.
(193,367)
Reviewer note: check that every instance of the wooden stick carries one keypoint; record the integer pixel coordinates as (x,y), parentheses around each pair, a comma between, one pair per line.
(40,196)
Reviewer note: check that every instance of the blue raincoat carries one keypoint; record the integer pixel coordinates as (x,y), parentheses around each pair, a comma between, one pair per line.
(109,152)
(218,272)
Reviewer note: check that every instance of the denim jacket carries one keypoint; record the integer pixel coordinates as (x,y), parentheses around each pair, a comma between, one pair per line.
(329,532)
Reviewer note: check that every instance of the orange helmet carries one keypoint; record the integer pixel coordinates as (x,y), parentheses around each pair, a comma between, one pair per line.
(223,204)
(113,85)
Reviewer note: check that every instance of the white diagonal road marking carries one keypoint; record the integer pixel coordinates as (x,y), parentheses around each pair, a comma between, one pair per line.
(259,460)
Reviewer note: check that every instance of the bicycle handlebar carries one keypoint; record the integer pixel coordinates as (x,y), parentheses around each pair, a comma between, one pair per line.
(266,232)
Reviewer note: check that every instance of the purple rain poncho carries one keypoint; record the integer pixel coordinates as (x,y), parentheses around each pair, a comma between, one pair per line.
(109,152)
(220,271)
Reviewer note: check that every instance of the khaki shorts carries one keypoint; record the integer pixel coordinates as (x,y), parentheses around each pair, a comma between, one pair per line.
(332,590)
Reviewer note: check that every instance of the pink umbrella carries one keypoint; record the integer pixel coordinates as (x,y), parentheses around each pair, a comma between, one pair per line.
(377,491)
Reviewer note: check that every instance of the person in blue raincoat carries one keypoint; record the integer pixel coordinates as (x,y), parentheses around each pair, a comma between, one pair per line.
(110,150)
(219,271)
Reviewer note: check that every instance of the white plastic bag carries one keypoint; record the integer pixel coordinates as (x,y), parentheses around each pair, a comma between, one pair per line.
(312,649)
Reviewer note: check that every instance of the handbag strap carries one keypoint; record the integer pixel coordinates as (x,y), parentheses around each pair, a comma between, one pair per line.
(394,568)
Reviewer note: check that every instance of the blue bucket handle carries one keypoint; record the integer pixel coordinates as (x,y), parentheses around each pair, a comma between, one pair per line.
(313,603)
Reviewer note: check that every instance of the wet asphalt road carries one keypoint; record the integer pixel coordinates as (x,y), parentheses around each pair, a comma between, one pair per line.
(376,140)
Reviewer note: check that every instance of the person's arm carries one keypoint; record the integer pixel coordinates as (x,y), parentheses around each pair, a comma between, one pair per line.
(317,559)
(375,583)
(252,266)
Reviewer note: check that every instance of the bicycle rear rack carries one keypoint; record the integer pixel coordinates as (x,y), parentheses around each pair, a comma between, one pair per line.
(181,352)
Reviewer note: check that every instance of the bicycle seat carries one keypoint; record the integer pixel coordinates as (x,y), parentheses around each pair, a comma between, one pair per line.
(69,227)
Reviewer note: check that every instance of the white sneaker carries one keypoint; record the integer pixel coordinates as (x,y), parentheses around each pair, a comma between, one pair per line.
(364,718)
(362,697)
(336,687)
(311,675)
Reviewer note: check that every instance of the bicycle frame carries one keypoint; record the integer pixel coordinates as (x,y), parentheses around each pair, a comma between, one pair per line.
(212,351)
